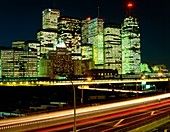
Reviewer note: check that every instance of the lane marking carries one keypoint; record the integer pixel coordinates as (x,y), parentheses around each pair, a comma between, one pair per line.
(118,123)
(152,113)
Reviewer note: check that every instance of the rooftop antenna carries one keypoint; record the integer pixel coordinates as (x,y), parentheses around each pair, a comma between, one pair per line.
(130,6)
(54,4)
(98,10)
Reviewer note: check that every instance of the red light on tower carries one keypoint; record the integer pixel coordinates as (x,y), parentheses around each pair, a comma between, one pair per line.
(130,5)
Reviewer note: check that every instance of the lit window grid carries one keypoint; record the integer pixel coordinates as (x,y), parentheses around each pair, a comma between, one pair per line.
(131,57)
(112,38)
(69,31)
(46,39)
(10,67)
(50,18)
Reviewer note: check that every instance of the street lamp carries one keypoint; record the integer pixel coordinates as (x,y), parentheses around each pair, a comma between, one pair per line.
(74,92)
(136,89)
(88,79)
(143,82)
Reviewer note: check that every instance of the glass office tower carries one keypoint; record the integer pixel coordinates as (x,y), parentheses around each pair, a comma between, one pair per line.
(86,46)
(50,18)
(131,53)
(112,44)
(95,37)
(69,31)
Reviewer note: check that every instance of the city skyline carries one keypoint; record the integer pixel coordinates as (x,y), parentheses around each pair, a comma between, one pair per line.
(22,20)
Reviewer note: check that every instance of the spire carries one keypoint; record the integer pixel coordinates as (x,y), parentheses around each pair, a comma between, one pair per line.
(54,4)
(98,9)
(130,7)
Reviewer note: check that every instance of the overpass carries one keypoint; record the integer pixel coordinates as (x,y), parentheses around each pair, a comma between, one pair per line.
(78,82)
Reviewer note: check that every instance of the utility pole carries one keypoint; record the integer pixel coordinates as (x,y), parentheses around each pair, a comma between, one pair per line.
(74,92)
(136,89)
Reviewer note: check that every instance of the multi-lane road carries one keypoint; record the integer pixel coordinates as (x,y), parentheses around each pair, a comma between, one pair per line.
(106,117)
(119,120)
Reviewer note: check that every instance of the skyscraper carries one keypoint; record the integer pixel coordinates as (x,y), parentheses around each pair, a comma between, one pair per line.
(95,37)
(60,63)
(69,31)
(27,44)
(50,18)
(112,44)
(47,39)
(18,62)
(48,34)
(131,53)
(86,46)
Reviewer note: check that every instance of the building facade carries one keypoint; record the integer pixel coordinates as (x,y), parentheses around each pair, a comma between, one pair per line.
(18,62)
(69,31)
(95,37)
(60,63)
(34,44)
(131,52)
(112,47)
(50,19)
(86,46)
(47,39)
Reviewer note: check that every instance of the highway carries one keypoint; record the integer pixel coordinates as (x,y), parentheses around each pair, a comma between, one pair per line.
(62,118)
(119,120)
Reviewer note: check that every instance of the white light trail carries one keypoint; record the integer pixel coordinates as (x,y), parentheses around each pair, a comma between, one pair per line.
(66,113)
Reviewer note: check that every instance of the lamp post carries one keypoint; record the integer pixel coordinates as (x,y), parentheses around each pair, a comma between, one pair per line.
(136,89)
(74,92)
(82,93)
(143,82)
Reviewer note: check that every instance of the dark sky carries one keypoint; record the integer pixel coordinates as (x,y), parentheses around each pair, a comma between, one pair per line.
(20,20)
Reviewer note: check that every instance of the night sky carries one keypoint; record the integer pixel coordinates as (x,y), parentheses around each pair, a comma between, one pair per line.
(20,20)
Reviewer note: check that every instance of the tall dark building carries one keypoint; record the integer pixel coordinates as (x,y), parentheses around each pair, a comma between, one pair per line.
(69,31)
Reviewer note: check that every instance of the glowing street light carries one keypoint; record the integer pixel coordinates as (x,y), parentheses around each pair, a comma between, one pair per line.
(143,77)
(160,74)
(89,79)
